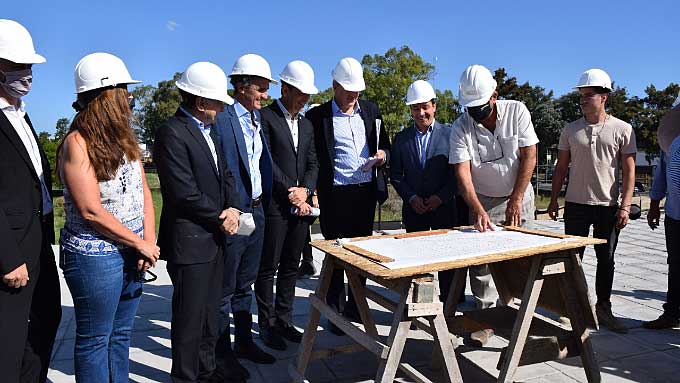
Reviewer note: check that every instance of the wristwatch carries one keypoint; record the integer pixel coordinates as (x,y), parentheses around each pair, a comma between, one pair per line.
(309,192)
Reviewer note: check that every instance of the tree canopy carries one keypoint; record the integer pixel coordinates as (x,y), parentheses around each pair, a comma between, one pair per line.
(388,76)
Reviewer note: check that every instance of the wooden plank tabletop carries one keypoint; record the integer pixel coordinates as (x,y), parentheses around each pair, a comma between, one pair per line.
(373,266)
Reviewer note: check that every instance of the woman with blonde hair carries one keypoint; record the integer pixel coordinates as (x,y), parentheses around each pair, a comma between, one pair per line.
(108,240)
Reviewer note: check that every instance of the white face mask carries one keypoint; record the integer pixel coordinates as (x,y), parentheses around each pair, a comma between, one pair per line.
(17,83)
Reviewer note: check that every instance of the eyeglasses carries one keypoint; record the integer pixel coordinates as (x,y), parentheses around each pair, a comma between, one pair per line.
(496,141)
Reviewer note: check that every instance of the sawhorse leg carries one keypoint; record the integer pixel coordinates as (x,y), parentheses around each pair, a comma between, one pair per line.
(307,342)
(571,283)
(520,330)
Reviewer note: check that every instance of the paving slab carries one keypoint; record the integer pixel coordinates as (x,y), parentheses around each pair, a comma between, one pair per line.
(638,293)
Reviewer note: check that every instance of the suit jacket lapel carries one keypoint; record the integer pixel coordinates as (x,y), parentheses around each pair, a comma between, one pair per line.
(283,125)
(328,132)
(240,140)
(368,126)
(195,131)
(433,138)
(7,128)
(412,146)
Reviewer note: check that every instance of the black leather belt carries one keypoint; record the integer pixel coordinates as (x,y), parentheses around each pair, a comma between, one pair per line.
(256,202)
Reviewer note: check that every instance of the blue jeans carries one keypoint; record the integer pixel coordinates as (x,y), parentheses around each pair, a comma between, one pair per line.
(106,294)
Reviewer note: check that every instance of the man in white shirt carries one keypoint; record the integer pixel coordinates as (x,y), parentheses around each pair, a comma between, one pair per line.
(493,149)
(30,284)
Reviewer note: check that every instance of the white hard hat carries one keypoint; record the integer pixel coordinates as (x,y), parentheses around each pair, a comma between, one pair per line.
(595,77)
(300,75)
(207,80)
(252,65)
(101,70)
(16,44)
(476,86)
(349,74)
(419,91)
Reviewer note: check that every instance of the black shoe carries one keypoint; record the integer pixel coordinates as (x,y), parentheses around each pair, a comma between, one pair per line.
(287,331)
(662,322)
(306,270)
(271,337)
(335,329)
(229,367)
(253,353)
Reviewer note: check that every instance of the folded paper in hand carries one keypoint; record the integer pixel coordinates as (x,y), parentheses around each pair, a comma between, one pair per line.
(246,224)
(370,163)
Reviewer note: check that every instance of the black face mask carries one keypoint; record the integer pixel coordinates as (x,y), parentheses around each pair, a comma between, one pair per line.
(480,113)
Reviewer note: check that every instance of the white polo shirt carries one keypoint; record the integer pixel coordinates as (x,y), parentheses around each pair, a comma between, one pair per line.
(493,156)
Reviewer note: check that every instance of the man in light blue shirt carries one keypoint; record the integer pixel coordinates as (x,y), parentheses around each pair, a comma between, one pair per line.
(667,185)
(348,132)
(248,158)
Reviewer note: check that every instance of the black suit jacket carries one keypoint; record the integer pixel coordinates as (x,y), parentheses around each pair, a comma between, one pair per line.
(21,226)
(409,178)
(290,168)
(194,192)
(322,120)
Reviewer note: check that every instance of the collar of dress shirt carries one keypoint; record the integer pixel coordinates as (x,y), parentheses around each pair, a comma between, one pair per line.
(338,112)
(194,119)
(4,105)
(286,113)
(429,129)
(242,111)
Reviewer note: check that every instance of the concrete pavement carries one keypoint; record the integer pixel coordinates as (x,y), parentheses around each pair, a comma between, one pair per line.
(640,356)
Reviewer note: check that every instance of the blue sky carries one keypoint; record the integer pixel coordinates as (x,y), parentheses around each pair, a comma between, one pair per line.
(547,43)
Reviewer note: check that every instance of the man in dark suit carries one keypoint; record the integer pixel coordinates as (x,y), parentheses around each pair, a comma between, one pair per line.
(248,158)
(290,138)
(351,144)
(420,170)
(30,308)
(198,198)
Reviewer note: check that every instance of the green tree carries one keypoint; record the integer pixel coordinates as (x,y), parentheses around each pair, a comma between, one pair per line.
(548,125)
(546,119)
(321,97)
(49,146)
(157,104)
(650,110)
(63,125)
(448,107)
(387,78)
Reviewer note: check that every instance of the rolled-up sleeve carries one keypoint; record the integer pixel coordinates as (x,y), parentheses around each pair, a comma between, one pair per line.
(458,151)
(658,190)
(525,128)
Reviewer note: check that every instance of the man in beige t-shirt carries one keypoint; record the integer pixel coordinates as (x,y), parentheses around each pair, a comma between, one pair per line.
(597,145)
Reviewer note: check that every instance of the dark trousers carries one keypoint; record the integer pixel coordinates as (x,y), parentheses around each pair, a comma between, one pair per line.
(284,239)
(27,345)
(195,309)
(672,306)
(349,212)
(241,264)
(307,256)
(577,221)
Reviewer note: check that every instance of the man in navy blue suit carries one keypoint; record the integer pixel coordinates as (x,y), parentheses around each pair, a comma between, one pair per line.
(420,170)
(248,158)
